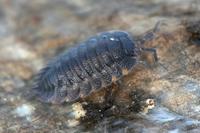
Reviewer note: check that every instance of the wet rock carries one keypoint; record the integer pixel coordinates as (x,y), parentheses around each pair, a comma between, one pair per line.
(24,111)
(193,29)
(90,112)
(21,51)
(32,32)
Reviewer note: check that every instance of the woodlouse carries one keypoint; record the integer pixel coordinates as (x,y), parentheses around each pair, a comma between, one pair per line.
(90,66)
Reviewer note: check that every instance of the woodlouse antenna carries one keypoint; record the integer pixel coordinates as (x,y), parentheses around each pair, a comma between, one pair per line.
(151,34)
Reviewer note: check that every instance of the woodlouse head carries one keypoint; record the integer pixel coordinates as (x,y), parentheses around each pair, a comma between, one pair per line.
(147,37)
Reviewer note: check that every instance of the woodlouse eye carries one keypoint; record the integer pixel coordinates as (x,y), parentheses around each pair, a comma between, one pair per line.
(104,36)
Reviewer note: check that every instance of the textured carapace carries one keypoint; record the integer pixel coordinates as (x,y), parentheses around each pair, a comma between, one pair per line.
(92,65)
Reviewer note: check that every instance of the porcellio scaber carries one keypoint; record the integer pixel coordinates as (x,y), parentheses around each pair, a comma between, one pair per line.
(90,66)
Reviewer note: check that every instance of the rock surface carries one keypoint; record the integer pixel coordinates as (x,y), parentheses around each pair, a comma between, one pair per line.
(33,32)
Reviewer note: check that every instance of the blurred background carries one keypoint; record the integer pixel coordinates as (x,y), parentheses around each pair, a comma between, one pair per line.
(33,32)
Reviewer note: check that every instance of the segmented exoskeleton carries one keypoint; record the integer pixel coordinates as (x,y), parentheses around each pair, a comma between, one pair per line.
(90,66)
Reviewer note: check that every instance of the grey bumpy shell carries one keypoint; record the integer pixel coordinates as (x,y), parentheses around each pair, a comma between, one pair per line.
(88,67)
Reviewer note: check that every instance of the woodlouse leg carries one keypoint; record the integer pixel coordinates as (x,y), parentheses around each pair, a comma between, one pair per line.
(119,83)
(144,63)
(153,50)
(111,92)
(157,26)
